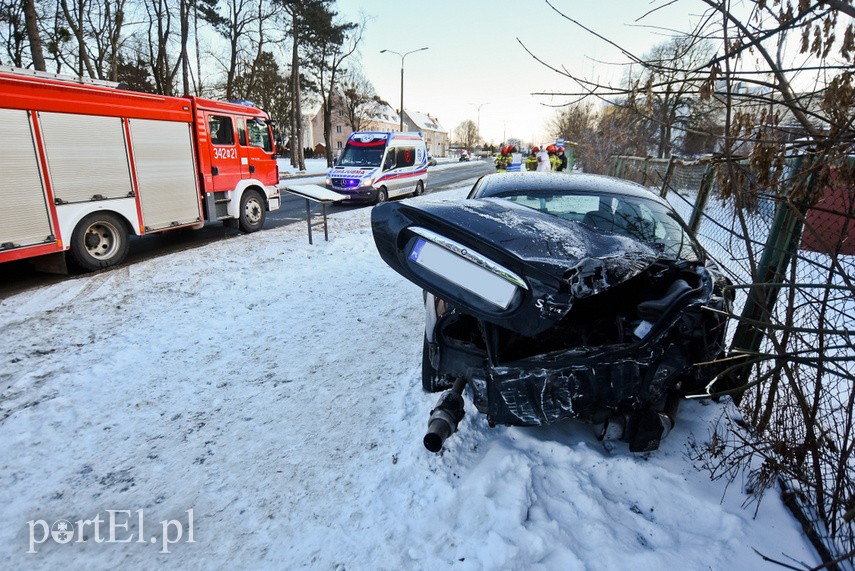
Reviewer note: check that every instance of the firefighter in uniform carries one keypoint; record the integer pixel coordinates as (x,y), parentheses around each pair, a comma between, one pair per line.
(562,159)
(531,160)
(503,160)
(553,159)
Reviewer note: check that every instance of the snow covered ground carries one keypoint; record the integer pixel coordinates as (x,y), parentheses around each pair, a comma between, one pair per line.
(262,397)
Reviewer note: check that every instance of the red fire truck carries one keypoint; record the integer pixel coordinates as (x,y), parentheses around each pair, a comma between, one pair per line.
(84,164)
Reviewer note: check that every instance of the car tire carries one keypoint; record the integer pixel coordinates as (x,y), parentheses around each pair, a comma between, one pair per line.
(420,189)
(431,381)
(252,211)
(99,241)
(382,195)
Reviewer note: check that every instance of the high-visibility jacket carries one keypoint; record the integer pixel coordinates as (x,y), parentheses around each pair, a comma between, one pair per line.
(553,162)
(502,162)
(531,162)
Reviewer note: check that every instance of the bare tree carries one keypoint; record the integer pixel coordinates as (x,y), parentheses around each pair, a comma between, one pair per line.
(666,90)
(11,16)
(359,100)
(336,42)
(466,134)
(304,16)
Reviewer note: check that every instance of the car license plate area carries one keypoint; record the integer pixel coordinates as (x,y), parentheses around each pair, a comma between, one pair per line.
(463,273)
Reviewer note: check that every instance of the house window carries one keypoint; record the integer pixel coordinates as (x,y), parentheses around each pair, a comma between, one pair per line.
(338,144)
(340,113)
(338,128)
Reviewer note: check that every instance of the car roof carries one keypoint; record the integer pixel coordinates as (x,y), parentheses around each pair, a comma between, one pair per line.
(536,182)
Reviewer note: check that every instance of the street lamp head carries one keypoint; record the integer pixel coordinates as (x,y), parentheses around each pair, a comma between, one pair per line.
(402,56)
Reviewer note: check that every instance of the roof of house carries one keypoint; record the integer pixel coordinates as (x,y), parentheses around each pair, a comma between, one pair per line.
(423,121)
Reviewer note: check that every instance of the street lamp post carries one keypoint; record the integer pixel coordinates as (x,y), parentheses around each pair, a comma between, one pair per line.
(402,56)
(479,106)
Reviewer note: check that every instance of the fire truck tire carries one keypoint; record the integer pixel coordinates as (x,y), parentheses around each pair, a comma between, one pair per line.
(99,241)
(252,211)
(382,195)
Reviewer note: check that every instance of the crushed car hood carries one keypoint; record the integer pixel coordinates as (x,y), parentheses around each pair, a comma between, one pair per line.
(468,251)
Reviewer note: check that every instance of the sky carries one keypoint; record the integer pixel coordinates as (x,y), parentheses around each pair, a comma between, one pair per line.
(475,59)
(256,403)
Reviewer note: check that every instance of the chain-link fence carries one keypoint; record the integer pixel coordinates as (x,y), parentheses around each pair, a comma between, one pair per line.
(792,359)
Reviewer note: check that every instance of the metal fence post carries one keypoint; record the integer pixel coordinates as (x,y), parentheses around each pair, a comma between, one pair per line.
(703,195)
(671,164)
(781,245)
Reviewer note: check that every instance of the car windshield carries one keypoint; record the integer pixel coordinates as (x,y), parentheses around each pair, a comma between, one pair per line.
(361,156)
(645,220)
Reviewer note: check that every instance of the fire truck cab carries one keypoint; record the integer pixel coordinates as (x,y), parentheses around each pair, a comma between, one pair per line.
(84,165)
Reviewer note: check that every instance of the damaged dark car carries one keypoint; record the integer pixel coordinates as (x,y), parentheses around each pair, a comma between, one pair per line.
(559,296)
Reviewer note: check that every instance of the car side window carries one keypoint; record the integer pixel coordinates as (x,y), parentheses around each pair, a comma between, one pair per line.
(259,135)
(242,131)
(389,162)
(406,157)
(221,130)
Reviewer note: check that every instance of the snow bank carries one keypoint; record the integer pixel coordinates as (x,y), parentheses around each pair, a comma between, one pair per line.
(264,395)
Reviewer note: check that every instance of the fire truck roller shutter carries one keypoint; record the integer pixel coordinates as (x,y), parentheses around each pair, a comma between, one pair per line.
(86,156)
(166,173)
(24,214)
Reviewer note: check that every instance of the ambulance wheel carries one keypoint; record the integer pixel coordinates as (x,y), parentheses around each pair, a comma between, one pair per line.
(382,194)
(99,241)
(420,189)
(252,211)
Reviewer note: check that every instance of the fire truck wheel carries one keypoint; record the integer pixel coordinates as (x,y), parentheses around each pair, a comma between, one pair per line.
(252,211)
(420,189)
(100,240)
(382,195)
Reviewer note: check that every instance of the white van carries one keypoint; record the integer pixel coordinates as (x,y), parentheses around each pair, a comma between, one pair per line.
(377,165)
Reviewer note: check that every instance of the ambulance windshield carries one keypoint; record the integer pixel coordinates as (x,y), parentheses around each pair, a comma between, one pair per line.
(362,156)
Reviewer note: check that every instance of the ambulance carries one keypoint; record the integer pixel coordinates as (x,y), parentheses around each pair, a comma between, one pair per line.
(377,165)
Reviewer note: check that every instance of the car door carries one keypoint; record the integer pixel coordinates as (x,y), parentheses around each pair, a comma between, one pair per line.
(256,150)
(405,159)
(225,159)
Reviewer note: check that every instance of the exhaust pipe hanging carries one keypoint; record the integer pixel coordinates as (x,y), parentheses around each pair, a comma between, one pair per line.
(445,416)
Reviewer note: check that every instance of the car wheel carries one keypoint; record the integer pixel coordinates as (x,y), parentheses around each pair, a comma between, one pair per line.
(100,240)
(252,211)
(431,381)
(420,189)
(382,195)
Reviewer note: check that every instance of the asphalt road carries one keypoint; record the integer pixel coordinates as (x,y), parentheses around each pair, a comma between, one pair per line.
(20,275)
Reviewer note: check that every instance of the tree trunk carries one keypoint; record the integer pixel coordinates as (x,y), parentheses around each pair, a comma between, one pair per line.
(297,139)
(328,105)
(185,34)
(33,36)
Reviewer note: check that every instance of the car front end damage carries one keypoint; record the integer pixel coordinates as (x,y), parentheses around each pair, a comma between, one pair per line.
(545,319)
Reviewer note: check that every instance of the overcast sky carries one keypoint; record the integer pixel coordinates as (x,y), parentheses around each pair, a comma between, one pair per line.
(474,57)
